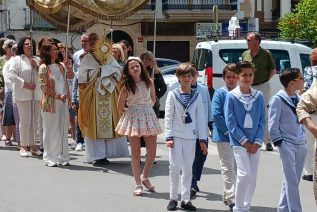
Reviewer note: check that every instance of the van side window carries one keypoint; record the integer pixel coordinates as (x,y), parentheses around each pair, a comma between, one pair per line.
(304,60)
(231,55)
(281,59)
(202,58)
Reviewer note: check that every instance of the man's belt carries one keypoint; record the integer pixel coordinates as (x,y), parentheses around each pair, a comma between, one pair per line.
(260,83)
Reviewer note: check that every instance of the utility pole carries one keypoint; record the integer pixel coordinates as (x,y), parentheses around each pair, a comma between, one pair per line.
(215,16)
(3,20)
(153,7)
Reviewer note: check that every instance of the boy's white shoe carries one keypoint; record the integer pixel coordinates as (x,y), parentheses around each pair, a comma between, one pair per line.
(79,147)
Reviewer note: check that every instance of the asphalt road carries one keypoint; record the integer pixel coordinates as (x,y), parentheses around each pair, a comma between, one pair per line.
(27,185)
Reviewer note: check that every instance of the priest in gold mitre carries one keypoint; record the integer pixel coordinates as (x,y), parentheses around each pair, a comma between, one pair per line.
(98,81)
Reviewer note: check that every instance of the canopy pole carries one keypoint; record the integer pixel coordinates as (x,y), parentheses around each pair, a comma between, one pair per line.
(31,31)
(65,79)
(111,31)
(154,36)
(67,30)
(32,81)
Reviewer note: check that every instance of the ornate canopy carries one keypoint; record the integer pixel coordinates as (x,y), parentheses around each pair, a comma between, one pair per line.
(84,13)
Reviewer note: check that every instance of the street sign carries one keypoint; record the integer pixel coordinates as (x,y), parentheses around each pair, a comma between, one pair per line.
(206,31)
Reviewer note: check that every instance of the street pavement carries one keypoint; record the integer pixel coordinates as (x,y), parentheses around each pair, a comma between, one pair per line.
(27,185)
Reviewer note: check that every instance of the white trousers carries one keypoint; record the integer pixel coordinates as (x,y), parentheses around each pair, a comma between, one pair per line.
(55,134)
(228,170)
(117,147)
(311,146)
(181,158)
(110,148)
(27,130)
(265,88)
(95,149)
(247,169)
(293,158)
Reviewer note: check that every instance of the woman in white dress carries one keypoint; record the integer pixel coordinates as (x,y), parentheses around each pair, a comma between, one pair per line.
(54,106)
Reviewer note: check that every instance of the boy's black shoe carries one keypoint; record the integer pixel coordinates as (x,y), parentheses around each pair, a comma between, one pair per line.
(231,205)
(172,204)
(188,206)
(269,147)
(307,177)
(100,162)
(192,193)
(195,187)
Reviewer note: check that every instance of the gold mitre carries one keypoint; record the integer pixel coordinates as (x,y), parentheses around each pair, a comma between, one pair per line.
(101,50)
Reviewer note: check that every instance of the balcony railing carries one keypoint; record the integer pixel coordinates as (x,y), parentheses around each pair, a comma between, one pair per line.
(150,5)
(198,4)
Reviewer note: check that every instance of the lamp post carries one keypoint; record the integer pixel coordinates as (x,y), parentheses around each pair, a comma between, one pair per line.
(215,13)
(153,7)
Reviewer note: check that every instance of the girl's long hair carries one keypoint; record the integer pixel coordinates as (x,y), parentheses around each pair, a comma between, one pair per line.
(128,81)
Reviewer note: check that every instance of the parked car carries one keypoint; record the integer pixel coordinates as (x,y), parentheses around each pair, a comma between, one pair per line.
(171,69)
(211,57)
(162,62)
(171,81)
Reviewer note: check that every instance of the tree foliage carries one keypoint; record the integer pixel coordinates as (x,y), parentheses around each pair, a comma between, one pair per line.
(301,23)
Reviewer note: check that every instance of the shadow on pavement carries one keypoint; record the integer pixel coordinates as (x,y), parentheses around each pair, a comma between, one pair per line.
(263,209)
(209,210)
(122,167)
(209,196)
(10,148)
(165,196)
(85,168)
(161,168)
(74,154)
(157,195)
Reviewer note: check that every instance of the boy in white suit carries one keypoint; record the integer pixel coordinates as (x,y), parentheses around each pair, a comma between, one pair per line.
(183,120)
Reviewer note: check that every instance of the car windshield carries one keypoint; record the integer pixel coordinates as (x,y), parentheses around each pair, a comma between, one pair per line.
(169,69)
(162,62)
(202,58)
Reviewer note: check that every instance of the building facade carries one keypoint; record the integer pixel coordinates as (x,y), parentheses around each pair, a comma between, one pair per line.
(180,24)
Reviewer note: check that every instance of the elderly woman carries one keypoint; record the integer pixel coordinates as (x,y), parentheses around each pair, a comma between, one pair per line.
(23,73)
(55,105)
(7,112)
(118,54)
(8,122)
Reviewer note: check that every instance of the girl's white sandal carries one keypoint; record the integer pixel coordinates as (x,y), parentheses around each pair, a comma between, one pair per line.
(138,190)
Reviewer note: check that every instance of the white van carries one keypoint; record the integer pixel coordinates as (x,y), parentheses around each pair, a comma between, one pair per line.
(210,57)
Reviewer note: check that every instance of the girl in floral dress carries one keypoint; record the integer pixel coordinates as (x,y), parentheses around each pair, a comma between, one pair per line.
(136,100)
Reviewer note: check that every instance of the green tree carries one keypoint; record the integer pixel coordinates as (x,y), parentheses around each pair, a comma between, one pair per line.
(301,23)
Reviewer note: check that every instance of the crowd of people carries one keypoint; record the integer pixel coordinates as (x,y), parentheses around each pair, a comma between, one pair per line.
(115,98)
